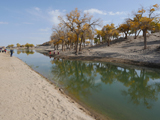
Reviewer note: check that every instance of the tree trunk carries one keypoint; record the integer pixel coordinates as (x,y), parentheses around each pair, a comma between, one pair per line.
(57,46)
(125,36)
(135,37)
(80,47)
(143,33)
(54,47)
(105,38)
(62,45)
(138,33)
(77,44)
(108,42)
(145,39)
(72,45)
(80,44)
(69,45)
(84,44)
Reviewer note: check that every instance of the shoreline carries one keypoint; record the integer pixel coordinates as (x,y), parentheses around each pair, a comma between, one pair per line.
(128,51)
(115,60)
(112,60)
(19,94)
(72,99)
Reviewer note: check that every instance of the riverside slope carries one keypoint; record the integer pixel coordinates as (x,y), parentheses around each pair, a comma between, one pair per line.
(25,95)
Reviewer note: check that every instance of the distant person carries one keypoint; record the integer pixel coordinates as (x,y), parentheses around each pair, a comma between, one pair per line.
(11,52)
(5,50)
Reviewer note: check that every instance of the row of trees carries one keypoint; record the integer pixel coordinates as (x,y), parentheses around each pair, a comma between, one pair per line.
(76,27)
(108,32)
(73,30)
(18,45)
(143,20)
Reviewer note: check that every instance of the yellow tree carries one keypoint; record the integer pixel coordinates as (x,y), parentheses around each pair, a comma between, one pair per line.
(10,46)
(31,45)
(83,35)
(75,21)
(157,24)
(125,28)
(55,40)
(87,33)
(71,39)
(147,23)
(18,45)
(98,35)
(135,24)
(27,45)
(115,33)
(61,31)
(107,32)
(22,45)
(90,35)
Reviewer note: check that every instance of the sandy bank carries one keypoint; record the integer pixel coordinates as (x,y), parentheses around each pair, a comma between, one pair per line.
(128,51)
(25,95)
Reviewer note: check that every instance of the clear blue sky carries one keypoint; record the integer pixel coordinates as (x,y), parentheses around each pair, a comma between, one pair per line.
(31,21)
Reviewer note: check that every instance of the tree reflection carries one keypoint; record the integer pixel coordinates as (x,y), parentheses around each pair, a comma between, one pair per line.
(28,52)
(77,77)
(139,90)
(108,72)
(18,52)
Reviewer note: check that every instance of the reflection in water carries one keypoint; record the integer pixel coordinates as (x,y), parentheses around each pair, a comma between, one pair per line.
(27,51)
(79,78)
(139,90)
(75,76)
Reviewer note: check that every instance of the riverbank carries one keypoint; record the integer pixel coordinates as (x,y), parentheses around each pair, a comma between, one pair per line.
(24,94)
(128,51)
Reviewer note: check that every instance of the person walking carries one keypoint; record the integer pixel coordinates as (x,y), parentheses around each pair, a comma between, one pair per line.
(11,53)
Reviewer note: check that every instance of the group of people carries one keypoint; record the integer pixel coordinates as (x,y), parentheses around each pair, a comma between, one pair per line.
(11,52)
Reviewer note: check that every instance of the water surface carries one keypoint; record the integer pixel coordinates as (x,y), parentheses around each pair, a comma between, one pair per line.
(121,93)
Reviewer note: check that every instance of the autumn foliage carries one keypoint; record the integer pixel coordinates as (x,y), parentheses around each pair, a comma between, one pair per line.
(75,27)
(74,30)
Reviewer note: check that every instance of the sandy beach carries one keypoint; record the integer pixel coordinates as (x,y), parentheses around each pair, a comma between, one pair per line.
(26,95)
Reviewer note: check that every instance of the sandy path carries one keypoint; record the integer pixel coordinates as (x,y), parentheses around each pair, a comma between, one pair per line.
(25,95)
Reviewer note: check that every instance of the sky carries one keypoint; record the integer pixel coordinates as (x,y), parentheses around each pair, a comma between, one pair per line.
(31,21)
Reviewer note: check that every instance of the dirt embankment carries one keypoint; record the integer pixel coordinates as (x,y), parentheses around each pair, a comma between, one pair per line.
(130,51)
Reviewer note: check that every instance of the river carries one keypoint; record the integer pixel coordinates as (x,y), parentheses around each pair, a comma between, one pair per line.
(120,92)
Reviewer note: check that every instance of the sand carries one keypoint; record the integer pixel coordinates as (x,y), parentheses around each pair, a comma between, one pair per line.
(26,95)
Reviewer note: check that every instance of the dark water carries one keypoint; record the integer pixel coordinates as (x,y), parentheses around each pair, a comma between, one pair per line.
(121,93)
